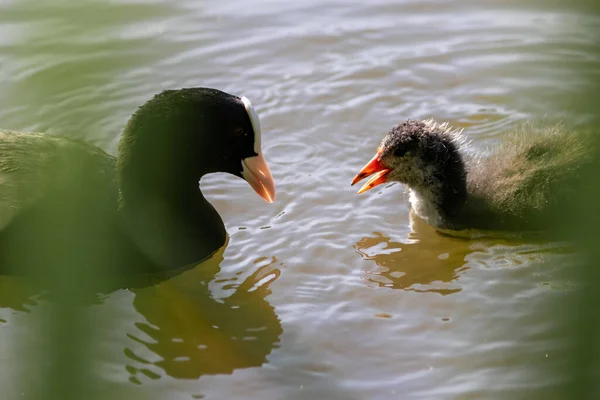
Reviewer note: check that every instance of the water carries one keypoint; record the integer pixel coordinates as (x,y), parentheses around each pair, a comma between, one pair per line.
(324,294)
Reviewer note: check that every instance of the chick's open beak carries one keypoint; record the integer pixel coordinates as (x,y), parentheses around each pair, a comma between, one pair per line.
(375,166)
(256,172)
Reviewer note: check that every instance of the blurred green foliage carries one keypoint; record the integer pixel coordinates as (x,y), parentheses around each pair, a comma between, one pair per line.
(582,316)
(65,367)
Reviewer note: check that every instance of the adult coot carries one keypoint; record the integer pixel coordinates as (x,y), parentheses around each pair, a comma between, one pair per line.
(62,200)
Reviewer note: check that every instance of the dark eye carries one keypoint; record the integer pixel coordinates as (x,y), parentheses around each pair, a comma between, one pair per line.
(238,132)
(400,151)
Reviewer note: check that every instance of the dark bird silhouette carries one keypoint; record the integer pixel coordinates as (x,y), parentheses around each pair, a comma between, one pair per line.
(65,202)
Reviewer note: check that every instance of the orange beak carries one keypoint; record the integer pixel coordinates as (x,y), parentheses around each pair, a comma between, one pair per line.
(256,172)
(373,167)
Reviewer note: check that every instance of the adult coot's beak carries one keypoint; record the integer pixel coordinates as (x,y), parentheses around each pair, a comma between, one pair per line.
(256,172)
(375,166)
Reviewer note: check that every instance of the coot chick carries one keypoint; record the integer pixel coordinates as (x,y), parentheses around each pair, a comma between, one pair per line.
(519,186)
(63,200)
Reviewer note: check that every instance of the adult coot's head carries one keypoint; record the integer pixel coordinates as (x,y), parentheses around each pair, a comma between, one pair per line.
(180,135)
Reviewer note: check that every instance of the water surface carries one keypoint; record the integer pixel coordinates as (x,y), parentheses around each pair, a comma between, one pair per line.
(324,294)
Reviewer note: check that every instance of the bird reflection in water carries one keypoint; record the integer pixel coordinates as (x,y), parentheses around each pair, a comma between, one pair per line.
(17,295)
(425,262)
(431,261)
(189,333)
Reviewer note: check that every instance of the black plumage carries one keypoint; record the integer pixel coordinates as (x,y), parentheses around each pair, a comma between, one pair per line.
(65,201)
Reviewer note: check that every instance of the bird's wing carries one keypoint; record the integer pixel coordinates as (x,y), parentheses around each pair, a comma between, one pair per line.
(33,165)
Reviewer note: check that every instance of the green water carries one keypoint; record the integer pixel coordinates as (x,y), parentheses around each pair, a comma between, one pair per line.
(324,294)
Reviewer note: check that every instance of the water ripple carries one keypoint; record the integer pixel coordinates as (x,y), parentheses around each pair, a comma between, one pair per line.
(324,293)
